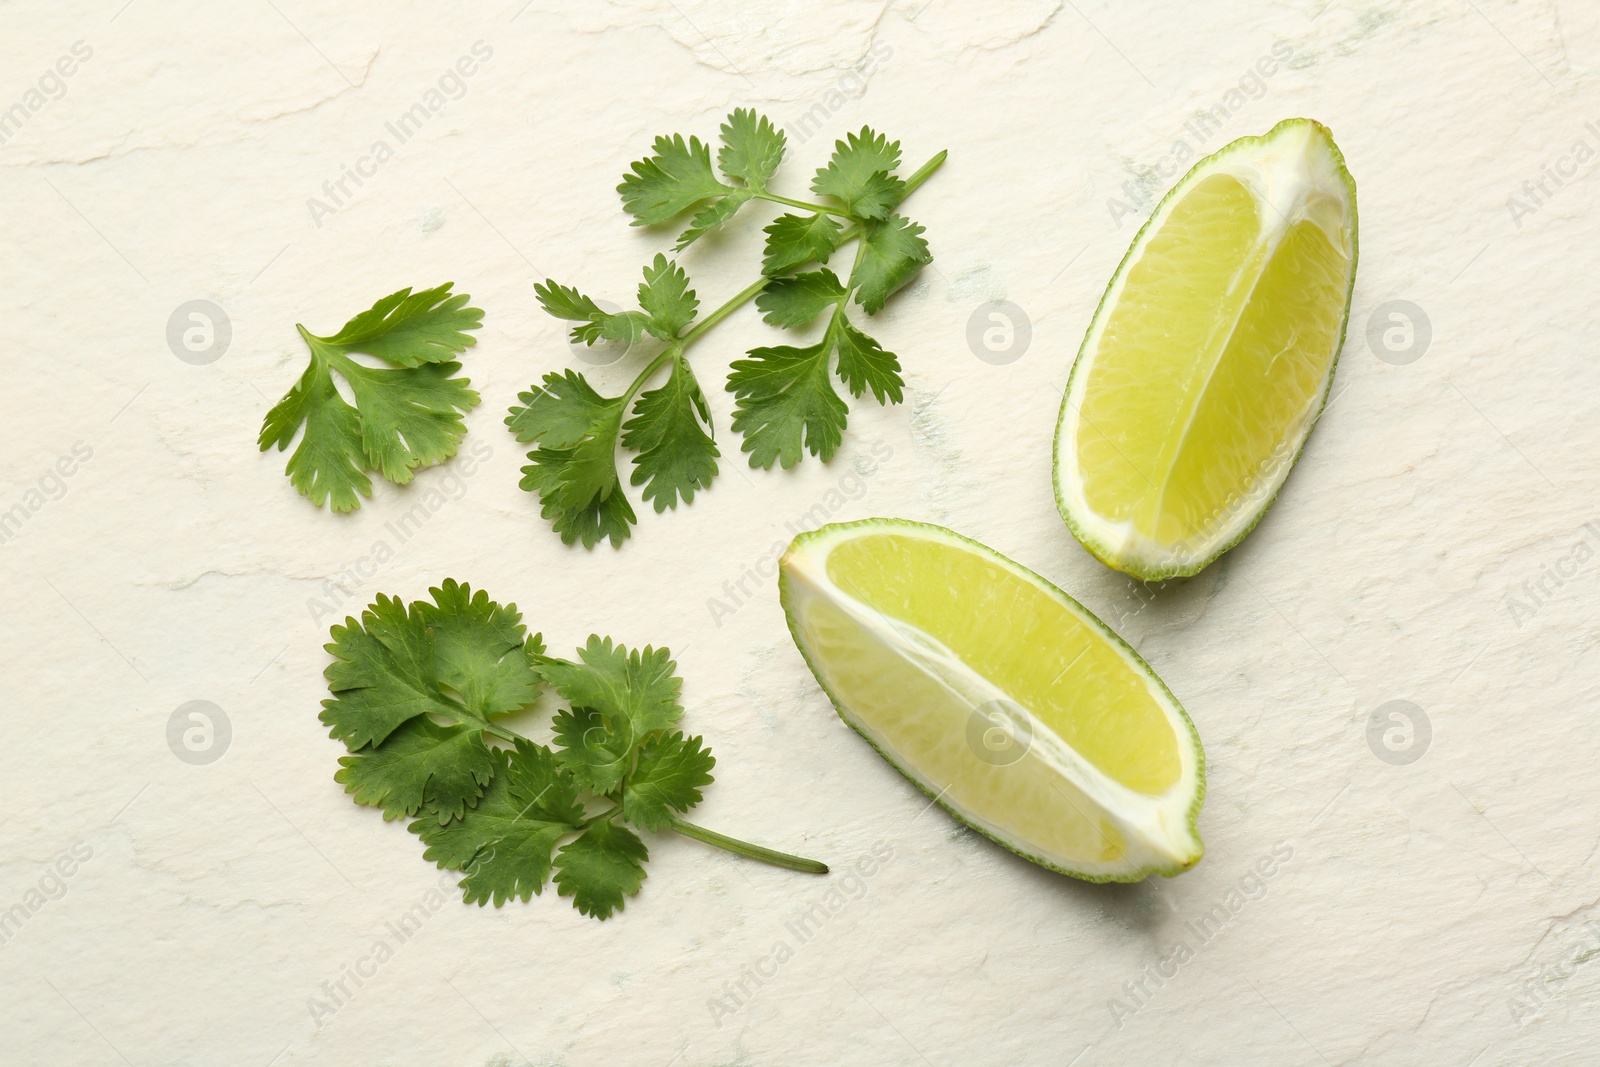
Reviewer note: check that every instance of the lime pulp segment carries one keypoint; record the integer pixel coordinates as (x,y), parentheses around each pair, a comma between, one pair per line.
(1210,355)
(998,695)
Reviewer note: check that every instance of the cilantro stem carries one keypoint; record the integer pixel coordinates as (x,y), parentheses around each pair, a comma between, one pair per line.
(739,300)
(924,172)
(861,253)
(463,717)
(744,848)
(499,731)
(749,292)
(699,833)
(591,820)
(670,352)
(821,209)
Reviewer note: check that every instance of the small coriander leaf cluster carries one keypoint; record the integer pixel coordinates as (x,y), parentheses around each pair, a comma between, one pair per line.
(406,415)
(417,692)
(786,402)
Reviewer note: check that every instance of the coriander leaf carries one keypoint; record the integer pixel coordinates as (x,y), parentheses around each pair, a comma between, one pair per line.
(751,148)
(677,177)
(667,299)
(606,516)
(892,253)
(711,216)
(565,302)
(876,196)
(861,175)
(671,432)
(505,843)
(600,868)
(405,417)
(409,418)
(447,766)
(409,328)
(574,470)
(668,778)
(595,754)
(381,674)
(328,463)
(864,364)
(785,401)
(561,413)
(594,323)
(475,643)
(462,658)
(636,691)
(395,663)
(795,240)
(796,301)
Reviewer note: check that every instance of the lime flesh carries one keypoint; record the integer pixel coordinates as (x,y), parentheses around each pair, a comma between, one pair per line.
(998,695)
(1210,355)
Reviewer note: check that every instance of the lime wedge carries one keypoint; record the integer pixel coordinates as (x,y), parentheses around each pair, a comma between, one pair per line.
(999,696)
(1210,356)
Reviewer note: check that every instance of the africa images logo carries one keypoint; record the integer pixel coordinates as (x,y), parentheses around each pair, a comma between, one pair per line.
(451,85)
(1537,592)
(1199,932)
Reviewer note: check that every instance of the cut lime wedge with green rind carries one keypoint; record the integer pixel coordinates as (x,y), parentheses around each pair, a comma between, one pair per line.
(999,696)
(1211,355)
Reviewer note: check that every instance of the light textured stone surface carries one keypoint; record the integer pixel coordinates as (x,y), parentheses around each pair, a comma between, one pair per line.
(1434,912)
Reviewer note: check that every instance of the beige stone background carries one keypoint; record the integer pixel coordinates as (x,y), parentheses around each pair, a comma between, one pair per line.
(1425,550)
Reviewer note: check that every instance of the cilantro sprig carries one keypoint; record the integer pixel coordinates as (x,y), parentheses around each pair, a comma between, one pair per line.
(406,415)
(416,694)
(785,399)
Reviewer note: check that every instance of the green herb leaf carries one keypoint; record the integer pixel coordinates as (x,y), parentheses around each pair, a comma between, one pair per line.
(405,417)
(409,418)
(668,779)
(711,216)
(473,649)
(864,364)
(329,463)
(785,401)
(579,510)
(409,329)
(751,148)
(574,470)
(667,299)
(795,240)
(561,413)
(861,175)
(505,843)
(671,432)
(673,180)
(421,761)
(594,324)
(895,251)
(591,749)
(463,659)
(797,301)
(395,664)
(600,868)
(636,691)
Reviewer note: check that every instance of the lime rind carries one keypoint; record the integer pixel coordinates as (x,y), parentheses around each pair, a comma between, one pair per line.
(1084,524)
(1190,784)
